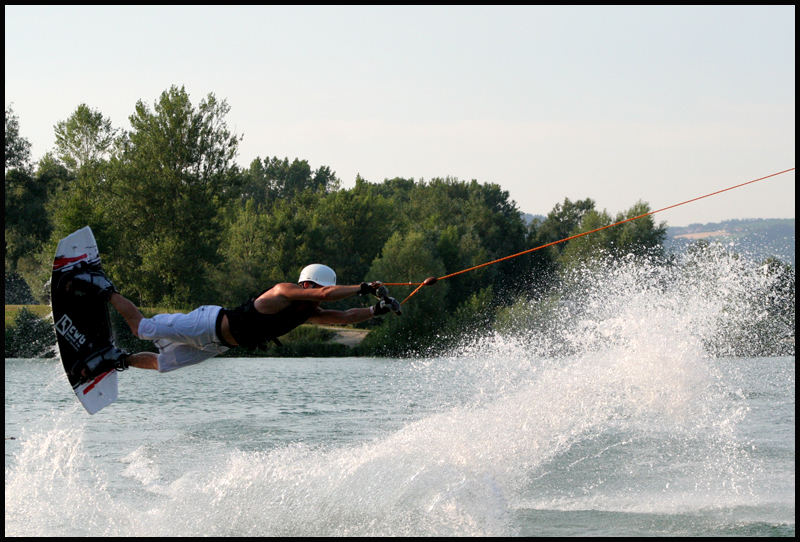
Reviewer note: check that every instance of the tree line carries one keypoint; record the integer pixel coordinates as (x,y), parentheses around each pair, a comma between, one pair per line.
(179,223)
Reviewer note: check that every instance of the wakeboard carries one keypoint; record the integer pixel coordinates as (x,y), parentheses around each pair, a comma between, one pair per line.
(83,325)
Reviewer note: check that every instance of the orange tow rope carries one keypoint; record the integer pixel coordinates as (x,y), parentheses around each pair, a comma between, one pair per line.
(432,280)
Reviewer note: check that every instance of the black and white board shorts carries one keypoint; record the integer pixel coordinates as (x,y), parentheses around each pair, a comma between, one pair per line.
(183,339)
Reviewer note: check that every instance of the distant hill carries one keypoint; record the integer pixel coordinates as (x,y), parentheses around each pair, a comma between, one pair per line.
(758,238)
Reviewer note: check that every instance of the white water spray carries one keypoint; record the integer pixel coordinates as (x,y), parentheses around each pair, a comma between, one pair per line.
(611,399)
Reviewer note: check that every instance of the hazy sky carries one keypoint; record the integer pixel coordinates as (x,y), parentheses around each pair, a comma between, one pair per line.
(620,104)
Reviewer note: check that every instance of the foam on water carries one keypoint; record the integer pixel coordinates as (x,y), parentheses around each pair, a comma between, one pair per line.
(615,404)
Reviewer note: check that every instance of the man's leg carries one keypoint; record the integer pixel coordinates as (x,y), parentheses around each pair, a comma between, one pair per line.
(128,311)
(143,360)
(189,339)
(132,316)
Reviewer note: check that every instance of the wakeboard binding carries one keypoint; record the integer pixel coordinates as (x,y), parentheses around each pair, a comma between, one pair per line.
(87,281)
(108,359)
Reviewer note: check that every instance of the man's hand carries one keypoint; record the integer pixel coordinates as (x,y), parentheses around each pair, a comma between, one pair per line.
(371,288)
(385,305)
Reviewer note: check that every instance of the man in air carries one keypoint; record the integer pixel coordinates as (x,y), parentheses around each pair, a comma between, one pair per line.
(187,339)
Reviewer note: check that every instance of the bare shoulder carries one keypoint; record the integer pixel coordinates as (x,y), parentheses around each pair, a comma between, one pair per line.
(286,292)
(275,299)
(282,289)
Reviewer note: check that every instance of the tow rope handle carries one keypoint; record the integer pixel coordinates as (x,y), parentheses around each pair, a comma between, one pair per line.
(382,293)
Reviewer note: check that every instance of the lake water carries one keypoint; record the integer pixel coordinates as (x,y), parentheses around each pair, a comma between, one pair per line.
(359,446)
(613,419)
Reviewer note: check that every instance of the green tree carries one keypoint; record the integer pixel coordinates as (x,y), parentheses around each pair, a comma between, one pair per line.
(18,149)
(86,137)
(348,229)
(563,220)
(273,178)
(639,236)
(590,246)
(244,252)
(54,175)
(259,249)
(475,222)
(256,185)
(404,257)
(31,205)
(27,223)
(165,192)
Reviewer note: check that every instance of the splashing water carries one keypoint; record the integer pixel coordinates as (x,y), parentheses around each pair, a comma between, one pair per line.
(611,399)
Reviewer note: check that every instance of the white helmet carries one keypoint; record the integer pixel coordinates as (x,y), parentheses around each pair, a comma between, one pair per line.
(318,274)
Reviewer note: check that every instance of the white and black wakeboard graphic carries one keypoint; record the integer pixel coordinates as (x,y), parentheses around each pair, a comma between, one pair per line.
(82,323)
